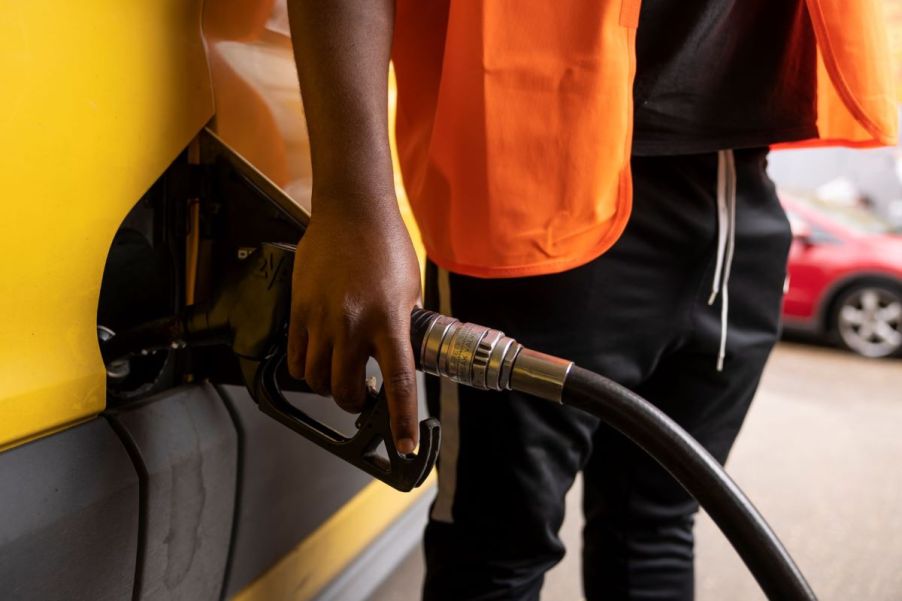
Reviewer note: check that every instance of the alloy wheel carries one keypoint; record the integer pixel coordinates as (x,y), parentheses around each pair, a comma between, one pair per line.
(869,321)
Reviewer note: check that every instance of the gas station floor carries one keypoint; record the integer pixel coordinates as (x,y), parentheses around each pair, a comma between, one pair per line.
(820,455)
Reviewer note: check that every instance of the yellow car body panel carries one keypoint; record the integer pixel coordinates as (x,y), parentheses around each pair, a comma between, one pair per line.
(305,571)
(98,98)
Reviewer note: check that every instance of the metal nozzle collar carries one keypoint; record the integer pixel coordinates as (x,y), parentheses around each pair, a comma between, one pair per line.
(484,358)
(467,353)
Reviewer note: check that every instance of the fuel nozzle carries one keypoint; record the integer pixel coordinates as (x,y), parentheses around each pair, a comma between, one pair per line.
(484,358)
(248,312)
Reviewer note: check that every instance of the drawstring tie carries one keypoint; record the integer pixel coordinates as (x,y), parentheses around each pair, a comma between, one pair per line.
(726,243)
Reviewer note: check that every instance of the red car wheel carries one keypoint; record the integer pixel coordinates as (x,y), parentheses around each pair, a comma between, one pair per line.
(867,319)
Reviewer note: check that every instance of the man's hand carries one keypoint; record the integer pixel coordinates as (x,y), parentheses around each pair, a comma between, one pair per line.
(355,273)
(356,280)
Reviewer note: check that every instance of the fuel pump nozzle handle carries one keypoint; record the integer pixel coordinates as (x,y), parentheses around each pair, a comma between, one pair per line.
(401,471)
(254,315)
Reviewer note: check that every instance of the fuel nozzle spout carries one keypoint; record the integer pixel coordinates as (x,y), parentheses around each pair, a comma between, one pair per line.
(484,358)
(247,313)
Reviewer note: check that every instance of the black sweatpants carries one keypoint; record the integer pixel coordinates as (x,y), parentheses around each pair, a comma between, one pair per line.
(639,314)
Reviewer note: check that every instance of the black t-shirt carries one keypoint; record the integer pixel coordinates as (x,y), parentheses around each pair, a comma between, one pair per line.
(717,74)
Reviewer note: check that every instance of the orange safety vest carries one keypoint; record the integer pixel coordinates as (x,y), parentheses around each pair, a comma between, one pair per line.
(514,121)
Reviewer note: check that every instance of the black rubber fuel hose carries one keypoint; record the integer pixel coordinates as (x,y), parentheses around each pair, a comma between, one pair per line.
(484,358)
(698,472)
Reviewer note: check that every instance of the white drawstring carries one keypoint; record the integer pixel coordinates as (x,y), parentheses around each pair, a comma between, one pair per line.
(726,243)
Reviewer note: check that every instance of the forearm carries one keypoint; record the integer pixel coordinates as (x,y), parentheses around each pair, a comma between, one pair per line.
(342,49)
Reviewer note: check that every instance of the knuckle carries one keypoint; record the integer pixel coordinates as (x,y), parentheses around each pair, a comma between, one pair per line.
(397,318)
(382,316)
(402,383)
(351,316)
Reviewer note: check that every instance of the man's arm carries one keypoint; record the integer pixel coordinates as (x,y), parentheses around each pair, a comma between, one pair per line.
(356,275)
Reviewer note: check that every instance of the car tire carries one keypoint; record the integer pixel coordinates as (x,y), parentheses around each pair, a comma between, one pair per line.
(867,319)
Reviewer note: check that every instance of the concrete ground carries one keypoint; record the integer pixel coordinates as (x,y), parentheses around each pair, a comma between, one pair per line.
(820,455)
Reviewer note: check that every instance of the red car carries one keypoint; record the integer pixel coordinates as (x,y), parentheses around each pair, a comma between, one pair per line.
(845,277)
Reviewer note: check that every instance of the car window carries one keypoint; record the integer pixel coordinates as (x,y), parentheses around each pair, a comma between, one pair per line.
(815,233)
(859,220)
(855,218)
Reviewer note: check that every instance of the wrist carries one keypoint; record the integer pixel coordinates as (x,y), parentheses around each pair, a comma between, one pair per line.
(353,182)
(369,206)
(364,218)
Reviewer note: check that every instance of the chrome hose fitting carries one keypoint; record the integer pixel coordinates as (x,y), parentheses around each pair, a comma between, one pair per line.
(484,358)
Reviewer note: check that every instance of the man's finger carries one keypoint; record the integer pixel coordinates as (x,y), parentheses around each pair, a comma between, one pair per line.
(297,349)
(318,368)
(395,359)
(348,376)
